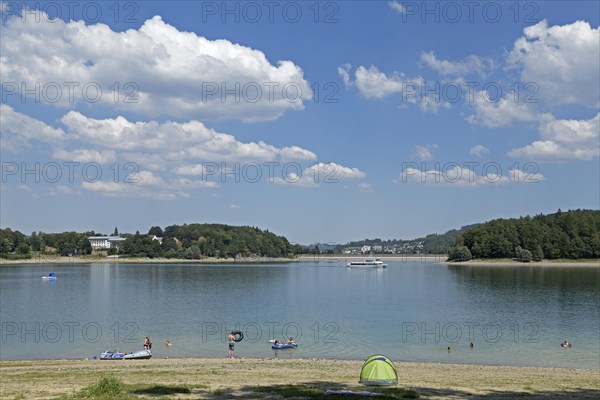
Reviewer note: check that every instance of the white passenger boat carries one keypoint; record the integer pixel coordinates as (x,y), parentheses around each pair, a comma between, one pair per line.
(367,263)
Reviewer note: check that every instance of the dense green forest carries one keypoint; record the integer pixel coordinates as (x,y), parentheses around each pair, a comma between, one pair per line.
(15,245)
(194,241)
(570,235)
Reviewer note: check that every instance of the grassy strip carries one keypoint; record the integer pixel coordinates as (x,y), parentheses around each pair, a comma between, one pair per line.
(110,387)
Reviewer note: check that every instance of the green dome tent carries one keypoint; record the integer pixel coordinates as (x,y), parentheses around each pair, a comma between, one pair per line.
(378,370)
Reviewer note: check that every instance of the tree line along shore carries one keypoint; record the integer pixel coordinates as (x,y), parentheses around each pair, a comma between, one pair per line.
(565,236)
(571,235)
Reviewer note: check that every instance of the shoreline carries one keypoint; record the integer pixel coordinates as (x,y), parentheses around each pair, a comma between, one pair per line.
(142,260)
(440,259)
(210,378)
(341,259)
(155,358)
(387,257)
(509,263)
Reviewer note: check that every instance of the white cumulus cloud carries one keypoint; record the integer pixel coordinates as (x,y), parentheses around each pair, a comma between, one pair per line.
(86,155)
(564,140)
(344,72)
(562,60)
(152,156)
(397,7)
(18,130)
(174,140)
(295,153)
(493,113)
(478,150)
(372,83)
(157,68)
(470,65)
(466,177)
(424,153)
(319,173)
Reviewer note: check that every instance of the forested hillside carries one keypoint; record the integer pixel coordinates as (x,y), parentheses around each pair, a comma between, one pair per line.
(195,241)
(570,235)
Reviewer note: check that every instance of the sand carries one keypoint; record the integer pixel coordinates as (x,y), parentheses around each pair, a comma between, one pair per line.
(238,378)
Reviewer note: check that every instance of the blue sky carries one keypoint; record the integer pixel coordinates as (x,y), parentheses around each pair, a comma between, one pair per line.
(320,121)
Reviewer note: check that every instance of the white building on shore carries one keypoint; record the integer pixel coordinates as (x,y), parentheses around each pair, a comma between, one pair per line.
(105,242)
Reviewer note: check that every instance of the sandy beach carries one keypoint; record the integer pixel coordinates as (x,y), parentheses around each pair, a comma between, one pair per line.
(308,378)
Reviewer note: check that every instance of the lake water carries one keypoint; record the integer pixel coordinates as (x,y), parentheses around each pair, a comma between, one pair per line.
(410,311)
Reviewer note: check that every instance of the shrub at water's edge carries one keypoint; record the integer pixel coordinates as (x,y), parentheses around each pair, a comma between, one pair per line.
(459,253)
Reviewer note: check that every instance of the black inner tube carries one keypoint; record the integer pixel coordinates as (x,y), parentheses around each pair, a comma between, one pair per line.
(239,336)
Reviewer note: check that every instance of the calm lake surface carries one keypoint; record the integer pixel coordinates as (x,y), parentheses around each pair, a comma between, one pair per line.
(410,311)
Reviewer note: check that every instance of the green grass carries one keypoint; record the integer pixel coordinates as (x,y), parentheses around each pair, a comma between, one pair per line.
(313,393)
(110,387)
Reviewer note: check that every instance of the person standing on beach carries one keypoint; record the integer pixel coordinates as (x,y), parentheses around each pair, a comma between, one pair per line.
(147,343)
(231,339)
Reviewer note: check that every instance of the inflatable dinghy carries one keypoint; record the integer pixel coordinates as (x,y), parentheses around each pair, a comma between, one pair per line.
(135,355)
(284,346)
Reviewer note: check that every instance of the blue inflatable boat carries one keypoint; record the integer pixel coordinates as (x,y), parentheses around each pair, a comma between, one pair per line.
(50,277)
(284,346)
(117,355)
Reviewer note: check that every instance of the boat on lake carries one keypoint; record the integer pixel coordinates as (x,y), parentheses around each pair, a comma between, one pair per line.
(119,355)
(284,346)
(367,263)
(50,277)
